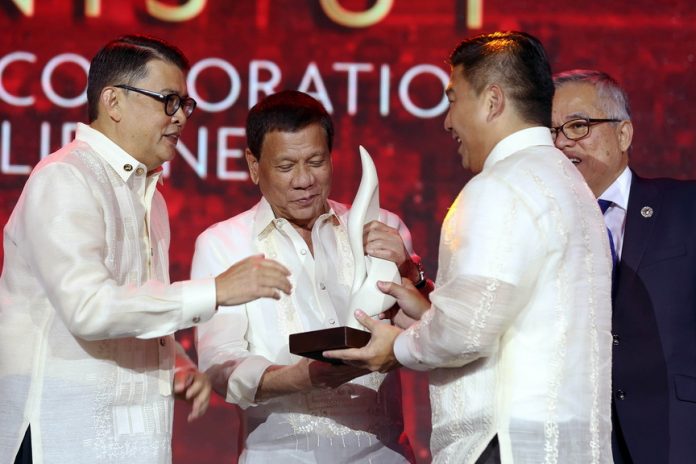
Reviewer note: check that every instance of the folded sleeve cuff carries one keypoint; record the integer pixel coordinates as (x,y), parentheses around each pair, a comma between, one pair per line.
(198,300)
(405,352)
(244,382)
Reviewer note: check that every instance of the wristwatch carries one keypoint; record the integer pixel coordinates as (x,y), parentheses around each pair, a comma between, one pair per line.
(422,280)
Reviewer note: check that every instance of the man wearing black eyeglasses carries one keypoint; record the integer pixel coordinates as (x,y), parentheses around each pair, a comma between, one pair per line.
(652,224)
(88,360)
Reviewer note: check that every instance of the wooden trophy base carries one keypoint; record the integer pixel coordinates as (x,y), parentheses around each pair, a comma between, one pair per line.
(313,344)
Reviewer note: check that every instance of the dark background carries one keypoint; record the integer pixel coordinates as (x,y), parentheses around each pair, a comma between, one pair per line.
(649,46)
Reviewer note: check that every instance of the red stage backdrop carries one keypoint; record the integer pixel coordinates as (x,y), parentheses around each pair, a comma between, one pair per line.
(378,66)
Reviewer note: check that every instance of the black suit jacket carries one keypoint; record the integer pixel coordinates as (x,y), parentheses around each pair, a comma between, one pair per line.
(654,323)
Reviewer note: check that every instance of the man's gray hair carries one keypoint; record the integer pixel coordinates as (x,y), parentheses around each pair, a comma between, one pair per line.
(611,96)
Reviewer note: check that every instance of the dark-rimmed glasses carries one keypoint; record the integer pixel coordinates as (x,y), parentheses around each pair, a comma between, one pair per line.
(172,101)
(579,128)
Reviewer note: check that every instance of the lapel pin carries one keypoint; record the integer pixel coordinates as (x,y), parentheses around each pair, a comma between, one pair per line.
(646,211)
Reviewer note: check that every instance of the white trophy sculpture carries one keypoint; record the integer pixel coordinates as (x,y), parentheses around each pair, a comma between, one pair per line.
(364,293)
(368,270)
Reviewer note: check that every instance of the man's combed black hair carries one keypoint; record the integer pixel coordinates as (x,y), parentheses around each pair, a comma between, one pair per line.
(285,111)
(123,61)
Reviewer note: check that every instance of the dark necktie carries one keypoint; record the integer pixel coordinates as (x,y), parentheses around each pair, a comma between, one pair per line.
(604,206)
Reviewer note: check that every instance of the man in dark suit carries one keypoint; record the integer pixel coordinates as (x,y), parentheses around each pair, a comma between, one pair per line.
(652,226)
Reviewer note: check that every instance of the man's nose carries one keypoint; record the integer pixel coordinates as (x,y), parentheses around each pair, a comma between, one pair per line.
(303,177)
(179,117)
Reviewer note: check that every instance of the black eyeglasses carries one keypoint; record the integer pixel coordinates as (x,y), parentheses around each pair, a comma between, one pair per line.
(172,102)
(577,129)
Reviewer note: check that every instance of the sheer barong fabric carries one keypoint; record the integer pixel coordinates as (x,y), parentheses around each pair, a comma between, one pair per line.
(87,311)
(360,421)
(520,320)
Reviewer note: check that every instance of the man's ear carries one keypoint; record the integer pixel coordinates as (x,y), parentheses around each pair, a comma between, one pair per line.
(625,133)
(494,101)
(253,164)
(110,103)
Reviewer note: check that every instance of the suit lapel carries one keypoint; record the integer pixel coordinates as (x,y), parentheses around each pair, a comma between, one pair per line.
(638,360)
(644,204)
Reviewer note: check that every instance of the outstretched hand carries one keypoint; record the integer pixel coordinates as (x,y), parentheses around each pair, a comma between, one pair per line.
(251,278)
(378,354)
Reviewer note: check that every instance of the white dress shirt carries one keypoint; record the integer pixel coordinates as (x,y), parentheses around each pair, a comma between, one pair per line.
(521,314)
(84,296)
(615,217)
(359,422)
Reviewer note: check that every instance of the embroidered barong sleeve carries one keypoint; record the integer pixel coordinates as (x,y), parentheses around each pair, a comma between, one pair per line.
(221,342)
(489,255)
(64,228)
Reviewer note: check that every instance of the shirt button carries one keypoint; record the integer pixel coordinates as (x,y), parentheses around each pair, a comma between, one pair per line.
(322,286)
(620,394)
(139,172)
(127,167)
(196,320)
(615,340)
(163,341)
(303,251)
(332,322)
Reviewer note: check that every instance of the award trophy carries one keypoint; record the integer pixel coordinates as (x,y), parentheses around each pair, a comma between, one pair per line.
(368,270)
